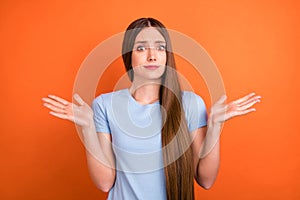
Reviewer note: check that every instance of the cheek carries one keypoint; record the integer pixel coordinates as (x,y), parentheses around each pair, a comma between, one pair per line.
(136,60)
(163,59)
(133,61)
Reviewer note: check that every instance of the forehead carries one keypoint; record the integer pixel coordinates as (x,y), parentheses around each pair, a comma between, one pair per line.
(149,34)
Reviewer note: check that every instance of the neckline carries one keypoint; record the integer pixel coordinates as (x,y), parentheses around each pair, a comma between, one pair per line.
(138,103)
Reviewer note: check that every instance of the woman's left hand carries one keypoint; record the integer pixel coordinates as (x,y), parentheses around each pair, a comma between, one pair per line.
(221,111)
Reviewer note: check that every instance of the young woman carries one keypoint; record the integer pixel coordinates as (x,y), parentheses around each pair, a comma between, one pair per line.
(152,140)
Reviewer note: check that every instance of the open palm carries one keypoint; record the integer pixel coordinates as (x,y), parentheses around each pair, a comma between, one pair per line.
(80,114)
(221,111)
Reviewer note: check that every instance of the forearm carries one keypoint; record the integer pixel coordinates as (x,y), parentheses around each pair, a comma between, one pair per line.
(208,165)
(100,160)
(100,157)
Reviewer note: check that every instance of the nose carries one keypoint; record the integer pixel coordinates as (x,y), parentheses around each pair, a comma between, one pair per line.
(151,54)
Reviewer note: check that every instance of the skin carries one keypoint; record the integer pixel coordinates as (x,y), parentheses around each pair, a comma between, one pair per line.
(146,52)
(145,89)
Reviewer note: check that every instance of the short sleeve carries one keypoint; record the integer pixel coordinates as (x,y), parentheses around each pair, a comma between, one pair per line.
(100,115)
(195,111)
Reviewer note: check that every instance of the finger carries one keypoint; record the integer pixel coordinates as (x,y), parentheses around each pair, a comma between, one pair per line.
(245,98)
(250,104)
(219,109)
(238,113)
(78,99)
(61,100)
(219,106)
(54,108)
(255,98)
(243,112)
(222,99)
(54,103)
(60,115)
(71,118)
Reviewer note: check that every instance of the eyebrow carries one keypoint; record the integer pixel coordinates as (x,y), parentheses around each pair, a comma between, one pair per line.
(144,42)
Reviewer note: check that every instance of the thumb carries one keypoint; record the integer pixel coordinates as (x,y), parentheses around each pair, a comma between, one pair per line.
(222,99)
(78,99)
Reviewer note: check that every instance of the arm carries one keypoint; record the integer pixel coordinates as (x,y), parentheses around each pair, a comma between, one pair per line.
(100,157)
(206,144)
(205,168)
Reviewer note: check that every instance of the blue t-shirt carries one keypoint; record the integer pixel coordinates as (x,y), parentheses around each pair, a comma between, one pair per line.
(136,141)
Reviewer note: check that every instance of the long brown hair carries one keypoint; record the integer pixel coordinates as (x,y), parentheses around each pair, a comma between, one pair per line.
(175,136)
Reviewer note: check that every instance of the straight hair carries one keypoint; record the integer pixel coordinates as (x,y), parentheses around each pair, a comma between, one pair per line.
(175,137)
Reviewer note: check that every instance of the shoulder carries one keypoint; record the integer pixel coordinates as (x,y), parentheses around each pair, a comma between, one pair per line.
(190,97)
(192,102)
(107,97)
(103,104)
(195,110)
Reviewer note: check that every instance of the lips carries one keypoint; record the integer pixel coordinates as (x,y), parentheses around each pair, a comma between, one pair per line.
(151,67)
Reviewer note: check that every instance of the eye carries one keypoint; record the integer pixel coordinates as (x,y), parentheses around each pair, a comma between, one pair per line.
(140,48)
(161,48)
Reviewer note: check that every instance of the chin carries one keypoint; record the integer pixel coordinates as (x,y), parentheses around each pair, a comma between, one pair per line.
(148,79)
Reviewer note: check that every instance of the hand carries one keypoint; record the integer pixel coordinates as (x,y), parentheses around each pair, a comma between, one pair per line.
(80,114)
(221,112)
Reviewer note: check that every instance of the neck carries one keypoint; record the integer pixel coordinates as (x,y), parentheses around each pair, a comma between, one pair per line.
(146,93)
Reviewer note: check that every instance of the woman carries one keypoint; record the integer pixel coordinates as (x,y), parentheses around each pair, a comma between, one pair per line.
(150,141)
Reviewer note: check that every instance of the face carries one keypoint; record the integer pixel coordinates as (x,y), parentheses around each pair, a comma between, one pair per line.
(149,55)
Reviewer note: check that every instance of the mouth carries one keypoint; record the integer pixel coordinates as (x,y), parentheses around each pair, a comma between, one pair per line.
(151,67)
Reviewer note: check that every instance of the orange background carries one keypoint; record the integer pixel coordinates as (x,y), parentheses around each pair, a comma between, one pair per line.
(255,45)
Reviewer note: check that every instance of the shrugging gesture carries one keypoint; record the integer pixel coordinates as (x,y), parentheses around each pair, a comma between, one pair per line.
(80,114)
(100,158)
(208,147)
(221,111)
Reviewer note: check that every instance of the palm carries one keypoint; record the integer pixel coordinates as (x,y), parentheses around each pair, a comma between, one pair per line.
(80,114)
(221,111)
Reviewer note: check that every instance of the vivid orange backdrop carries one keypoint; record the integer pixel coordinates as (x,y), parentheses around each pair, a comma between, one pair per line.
(255,45)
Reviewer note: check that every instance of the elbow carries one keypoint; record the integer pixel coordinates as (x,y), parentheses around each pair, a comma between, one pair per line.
(104,184)
(205,184)
(104,187)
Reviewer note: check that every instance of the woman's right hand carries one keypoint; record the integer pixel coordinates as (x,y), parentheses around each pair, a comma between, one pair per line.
(80,114)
